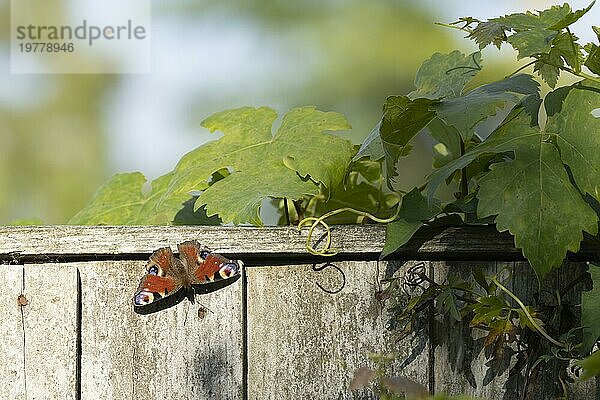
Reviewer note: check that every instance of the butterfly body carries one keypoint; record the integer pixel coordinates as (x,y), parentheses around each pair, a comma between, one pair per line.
(167,274)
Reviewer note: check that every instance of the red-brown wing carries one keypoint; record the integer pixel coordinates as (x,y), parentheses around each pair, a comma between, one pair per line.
(204,266)
(159,280)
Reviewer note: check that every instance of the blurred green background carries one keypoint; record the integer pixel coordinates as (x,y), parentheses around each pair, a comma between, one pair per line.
(61,136)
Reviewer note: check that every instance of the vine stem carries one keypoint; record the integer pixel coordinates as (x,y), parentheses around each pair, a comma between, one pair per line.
(327,250)
(522,306)
(460,28)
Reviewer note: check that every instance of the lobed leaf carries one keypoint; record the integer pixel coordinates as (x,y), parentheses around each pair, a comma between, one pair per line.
(533,32)
(534,199)
(263,165)
(488,32)
(121,201)
(578,132)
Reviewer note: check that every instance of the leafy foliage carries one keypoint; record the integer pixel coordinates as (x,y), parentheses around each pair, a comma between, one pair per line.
(516,337)
(543,35)
(288,164)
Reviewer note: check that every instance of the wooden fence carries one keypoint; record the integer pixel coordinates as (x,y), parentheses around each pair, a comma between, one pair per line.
(277,333)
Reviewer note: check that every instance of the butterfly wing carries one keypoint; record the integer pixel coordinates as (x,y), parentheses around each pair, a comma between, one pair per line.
(204,266)
(160,279)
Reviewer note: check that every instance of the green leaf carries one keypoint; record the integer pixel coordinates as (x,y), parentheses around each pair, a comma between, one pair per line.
(533,32)
(535,200)
(448,148)
(530,43)
(593,59)
(402,120)
(413,211)
(590,311)
(488,32)
(397,234)
(572,17)
(466,112)
(121,201)
(566,44)
(499,141)
(591,366)
(415,207)
(264,165)
(547,66)
(578,133)
(445,75)
(371,146)
(531,195)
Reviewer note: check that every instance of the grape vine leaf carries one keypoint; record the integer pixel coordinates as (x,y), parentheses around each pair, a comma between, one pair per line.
(121,201)
(534,199)
(466,112)
(572,17)
(590,311)
(445,75)
(532,195)
(498,142)
(548,67)
(593,59)
(402,120)
(533,33)
(287,164)
(487,32)
(414,211)
(578,132)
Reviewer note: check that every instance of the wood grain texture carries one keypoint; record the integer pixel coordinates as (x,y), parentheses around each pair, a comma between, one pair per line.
(465,243)
(172,353)
(459,366)
(304,343)
(51,327)
(12,335)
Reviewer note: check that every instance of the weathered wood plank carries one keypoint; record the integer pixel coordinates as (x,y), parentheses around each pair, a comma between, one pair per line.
(304,343)
(459,366)
(50,323)
(428,244)
(172,353)
(12,335)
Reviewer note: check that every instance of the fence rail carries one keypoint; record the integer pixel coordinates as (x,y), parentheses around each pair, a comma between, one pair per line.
(277,333)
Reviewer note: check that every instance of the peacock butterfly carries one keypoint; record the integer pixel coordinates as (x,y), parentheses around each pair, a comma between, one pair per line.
(167,274)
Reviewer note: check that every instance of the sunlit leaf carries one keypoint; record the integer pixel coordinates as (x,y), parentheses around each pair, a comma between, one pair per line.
(283,165)
(121,201)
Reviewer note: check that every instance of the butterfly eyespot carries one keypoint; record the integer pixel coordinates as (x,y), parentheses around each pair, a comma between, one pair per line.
(204,254)
(143,298)
(153,270)
(228,270)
